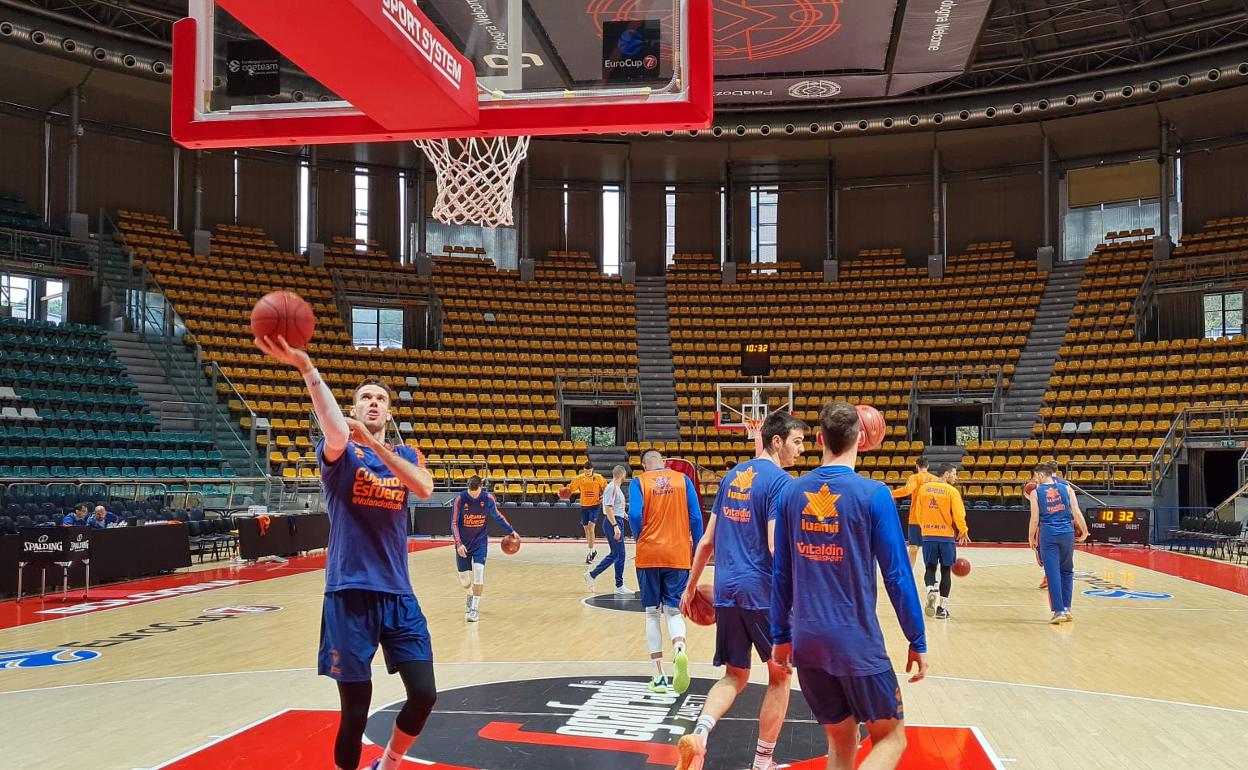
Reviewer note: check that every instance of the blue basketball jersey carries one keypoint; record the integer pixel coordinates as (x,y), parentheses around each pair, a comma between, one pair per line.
(1053,500)
(367,508)
(747,500)
(468,519)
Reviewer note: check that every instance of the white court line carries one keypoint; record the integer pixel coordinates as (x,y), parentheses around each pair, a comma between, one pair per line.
(564,664)
(983,742)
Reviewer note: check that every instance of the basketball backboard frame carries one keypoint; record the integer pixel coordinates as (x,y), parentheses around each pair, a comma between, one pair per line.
(736,402)
(195,124)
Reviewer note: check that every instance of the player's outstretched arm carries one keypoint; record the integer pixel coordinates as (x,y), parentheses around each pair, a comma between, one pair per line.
(908,489)
(328,413)
(491,505)
(889,547)
(412,476)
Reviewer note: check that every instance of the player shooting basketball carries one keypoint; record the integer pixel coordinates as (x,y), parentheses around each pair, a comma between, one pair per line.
(368,593)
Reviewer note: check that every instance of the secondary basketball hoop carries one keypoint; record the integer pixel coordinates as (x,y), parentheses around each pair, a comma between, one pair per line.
(744,406)
(476,178)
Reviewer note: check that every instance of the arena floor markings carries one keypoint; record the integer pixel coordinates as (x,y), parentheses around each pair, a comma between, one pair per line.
(1148,675)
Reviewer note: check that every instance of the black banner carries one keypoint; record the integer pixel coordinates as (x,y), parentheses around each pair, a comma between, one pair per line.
(253,67)
(54,545)
(630,50)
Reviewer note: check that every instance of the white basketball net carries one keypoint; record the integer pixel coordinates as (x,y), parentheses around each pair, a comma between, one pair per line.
(476,178)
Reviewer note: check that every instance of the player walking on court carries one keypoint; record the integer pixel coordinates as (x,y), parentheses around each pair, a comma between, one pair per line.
(589,486)
(666,517)
(914,532)
(942,515)
(740,535)
(468,519)
(368,593)
(1056,522)
(832,527)
(613,513)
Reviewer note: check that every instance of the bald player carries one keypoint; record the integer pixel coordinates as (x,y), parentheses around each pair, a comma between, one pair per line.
(666,517)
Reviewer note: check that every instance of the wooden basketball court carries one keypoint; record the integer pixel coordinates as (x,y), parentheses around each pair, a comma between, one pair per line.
(215,668)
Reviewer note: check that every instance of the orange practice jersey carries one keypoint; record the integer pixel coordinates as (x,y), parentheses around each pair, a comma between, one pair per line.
(590,488)
(663,519)
(941,512)
(911,490)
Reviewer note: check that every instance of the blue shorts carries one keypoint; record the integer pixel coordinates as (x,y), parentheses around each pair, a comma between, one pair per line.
(737,631)
(661,586)
(833,699)
(355,621)
(914,535)
(476,554)
(942,552)
(590,514)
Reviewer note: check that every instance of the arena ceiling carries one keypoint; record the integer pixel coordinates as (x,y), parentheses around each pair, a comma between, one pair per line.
(780,54)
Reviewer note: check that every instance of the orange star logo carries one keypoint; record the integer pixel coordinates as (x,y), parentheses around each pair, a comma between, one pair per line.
(744,480)
(821,504)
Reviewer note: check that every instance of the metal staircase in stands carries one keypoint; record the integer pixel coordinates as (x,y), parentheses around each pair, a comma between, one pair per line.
(656,374)
(1025,396)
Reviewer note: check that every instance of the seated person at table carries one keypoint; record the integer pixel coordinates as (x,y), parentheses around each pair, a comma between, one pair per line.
(76,519)
(103,518)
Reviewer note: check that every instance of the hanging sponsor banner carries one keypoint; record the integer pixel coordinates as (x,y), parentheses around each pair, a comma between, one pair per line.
(799,89)
(939,35)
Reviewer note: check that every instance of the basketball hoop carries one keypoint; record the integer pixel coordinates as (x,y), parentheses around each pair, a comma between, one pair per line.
(476,178)
(754,432)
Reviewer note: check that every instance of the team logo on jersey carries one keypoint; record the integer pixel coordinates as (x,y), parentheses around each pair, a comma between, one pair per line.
(573,723)
(45,658)
(744,480)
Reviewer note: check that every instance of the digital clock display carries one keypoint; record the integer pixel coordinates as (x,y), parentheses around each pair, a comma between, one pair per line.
(755,359)
(1119,525)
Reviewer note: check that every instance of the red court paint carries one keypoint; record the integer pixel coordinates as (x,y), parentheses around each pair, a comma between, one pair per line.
(1228,577)
(304,740)
(35,610)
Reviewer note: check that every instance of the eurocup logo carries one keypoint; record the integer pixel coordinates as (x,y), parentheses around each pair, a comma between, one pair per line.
(44,658)
(234,65)
(630,42)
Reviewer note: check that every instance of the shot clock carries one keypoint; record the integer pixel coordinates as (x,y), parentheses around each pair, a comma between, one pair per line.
(1129,526)
(755,359)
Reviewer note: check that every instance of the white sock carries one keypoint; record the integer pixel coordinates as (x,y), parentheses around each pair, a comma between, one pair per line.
(390,760)
(704,726)
(763,753)
(941,603)
(476,601)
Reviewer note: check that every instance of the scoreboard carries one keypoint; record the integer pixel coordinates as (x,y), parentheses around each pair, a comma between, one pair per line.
(756,359)
(1126,526)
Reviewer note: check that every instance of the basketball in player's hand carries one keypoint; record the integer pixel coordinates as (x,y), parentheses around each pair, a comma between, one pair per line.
(285,314)
(511,543)
(1029,487)
(702,608)
(871,432)
(961,567)
(565,493)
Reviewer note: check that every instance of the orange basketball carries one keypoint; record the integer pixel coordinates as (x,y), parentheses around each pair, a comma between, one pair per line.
(961,567)
(1029,487)
(871,433)
(286,314)
(511,543)
(702,608)
(565,493)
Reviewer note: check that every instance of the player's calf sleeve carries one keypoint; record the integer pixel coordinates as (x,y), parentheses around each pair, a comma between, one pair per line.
(353,698)
(422,694)
(654,630)
(465,579)
(478,573)
(675,623)
(946,580)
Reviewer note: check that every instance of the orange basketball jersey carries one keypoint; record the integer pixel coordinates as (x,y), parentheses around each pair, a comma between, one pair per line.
(665,539)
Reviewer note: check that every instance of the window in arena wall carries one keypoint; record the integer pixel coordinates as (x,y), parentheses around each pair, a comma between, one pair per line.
(53,302)
(305,196)
(1224,314)
(15,291)
(376,327)
(403,214)
(611,208)
(723,225)
(669,200)
(361,209)
(764,207)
